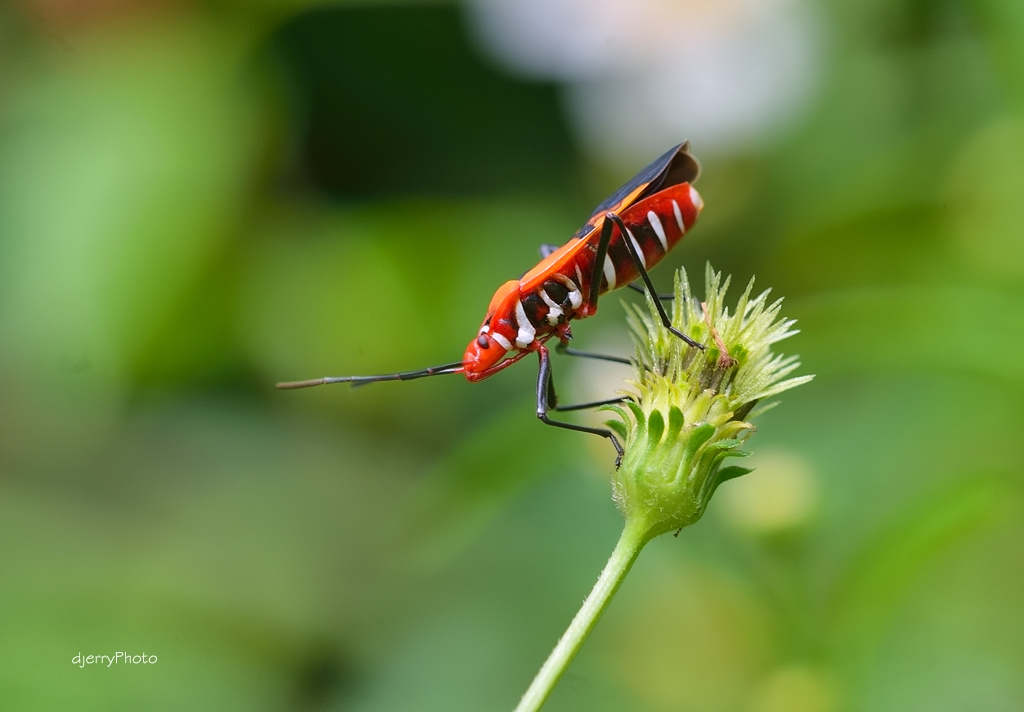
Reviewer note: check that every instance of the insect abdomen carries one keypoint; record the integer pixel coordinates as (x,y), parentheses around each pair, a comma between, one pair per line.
(654,225)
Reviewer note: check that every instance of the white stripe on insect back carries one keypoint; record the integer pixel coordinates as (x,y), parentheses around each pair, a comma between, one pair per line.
(679,217)
(609,272)
(575,288)
(659,229)
(636,246)
(502,341)
(527,331)
(554,310)
(575,297)
(696,200)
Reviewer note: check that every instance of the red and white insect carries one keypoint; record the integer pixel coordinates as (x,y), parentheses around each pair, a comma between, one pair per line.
(627,234)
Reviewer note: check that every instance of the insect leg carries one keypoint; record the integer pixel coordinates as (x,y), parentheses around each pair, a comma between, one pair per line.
(613,218)
(587,406)
(546,398)
(664,296)
(569,351)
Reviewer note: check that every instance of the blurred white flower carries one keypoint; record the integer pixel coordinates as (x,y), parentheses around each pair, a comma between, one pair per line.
(643,74)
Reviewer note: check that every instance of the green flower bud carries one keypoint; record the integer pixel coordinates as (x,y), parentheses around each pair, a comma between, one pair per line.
(691,409)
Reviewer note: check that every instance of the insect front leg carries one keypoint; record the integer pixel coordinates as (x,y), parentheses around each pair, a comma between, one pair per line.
(563,348)
(546,400)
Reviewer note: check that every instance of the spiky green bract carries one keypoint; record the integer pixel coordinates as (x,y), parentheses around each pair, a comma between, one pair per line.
(692,409)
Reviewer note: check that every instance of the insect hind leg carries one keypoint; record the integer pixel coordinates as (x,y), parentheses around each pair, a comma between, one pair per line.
(605,239)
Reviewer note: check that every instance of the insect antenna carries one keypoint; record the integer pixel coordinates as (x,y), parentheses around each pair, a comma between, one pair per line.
(456,367)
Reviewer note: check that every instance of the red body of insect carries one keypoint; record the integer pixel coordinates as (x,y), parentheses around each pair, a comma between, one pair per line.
(626,235)
(658,206)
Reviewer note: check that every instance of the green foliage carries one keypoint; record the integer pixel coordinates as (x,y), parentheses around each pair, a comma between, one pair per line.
(168,252)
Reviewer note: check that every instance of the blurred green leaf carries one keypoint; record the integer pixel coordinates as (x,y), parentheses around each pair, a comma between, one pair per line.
(870,592)
(953,330)
(123,174)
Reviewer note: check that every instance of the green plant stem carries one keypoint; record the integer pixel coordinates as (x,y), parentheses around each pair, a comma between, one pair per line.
(634,536)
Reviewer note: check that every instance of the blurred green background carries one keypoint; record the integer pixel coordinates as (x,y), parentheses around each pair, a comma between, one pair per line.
(198,199)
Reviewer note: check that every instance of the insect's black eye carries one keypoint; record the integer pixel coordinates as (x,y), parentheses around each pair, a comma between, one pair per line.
(483,342)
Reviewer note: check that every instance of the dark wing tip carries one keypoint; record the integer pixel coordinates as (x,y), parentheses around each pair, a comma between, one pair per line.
(685,168)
